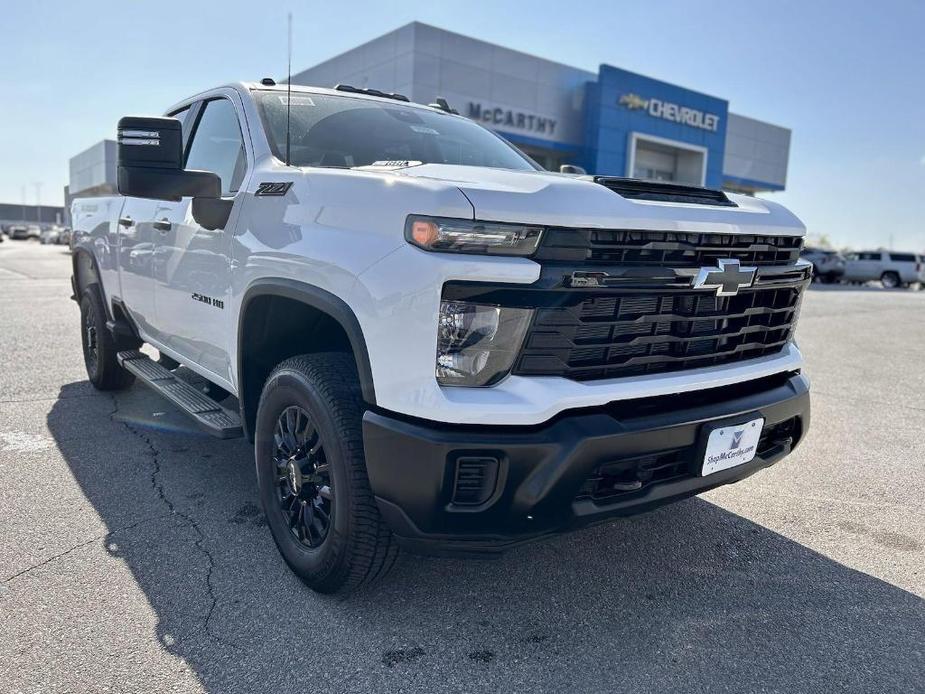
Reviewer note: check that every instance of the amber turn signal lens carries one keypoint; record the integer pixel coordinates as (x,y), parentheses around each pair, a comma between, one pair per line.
(446,235)
(424,233)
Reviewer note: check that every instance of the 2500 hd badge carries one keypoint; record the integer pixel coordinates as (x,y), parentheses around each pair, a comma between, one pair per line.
(217,303)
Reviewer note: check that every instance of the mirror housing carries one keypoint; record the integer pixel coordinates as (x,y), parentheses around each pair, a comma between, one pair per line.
(150,162)
(572,169)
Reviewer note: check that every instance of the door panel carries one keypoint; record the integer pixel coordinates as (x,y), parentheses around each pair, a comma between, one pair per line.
(193,268)
(862,267)
(193,264)
(135,260)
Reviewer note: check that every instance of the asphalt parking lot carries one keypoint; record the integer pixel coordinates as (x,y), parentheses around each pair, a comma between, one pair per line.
(134,557)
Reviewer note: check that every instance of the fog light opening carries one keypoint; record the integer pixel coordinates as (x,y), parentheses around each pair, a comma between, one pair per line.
(475,480)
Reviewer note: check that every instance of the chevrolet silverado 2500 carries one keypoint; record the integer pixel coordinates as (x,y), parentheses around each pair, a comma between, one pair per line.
(431,342)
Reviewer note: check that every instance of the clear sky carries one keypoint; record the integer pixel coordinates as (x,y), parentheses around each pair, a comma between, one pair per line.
(847,77)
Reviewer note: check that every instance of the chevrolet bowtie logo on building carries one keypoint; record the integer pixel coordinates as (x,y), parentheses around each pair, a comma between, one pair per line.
(633,101)
(727,278)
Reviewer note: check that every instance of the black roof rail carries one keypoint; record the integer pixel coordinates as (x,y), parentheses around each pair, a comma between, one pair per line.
(442,104)
(370,92)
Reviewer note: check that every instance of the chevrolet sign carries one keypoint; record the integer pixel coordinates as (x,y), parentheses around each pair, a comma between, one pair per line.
(672,112)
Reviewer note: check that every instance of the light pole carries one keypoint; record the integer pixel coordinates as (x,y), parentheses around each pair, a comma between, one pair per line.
(38,202)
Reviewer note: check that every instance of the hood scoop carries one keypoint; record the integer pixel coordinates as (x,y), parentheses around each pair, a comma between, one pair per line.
(635,189)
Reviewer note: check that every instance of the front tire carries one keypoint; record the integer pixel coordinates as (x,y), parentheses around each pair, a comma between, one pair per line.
(311,474)
(99,346)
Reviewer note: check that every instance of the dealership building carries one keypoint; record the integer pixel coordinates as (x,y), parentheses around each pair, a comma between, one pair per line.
(612,122)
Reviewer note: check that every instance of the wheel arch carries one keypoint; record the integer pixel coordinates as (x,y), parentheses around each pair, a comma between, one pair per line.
(85,273)
(84,270)
(325,306)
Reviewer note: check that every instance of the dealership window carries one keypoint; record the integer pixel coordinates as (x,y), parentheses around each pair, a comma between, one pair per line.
(549,159)
(657,159)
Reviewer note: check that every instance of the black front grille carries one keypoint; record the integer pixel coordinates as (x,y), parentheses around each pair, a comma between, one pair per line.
(618,479)
(666,248)
(626,477)
(608,335)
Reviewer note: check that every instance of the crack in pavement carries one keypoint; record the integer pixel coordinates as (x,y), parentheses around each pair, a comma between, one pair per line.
(50,398)
(162,495)
(80,545)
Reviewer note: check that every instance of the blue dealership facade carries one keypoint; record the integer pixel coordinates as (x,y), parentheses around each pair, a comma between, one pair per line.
(612,122)
(621,103)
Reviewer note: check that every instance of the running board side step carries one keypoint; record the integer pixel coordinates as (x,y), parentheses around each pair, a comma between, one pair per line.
(208,414)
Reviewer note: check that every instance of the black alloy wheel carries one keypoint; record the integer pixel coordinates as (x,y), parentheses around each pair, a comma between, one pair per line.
(311,474)
(305,489)
(100,347)
(91,344)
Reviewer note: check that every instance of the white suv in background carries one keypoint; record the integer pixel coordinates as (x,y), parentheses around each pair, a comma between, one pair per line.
(893,269)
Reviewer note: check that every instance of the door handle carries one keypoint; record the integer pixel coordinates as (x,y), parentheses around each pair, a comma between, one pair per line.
(163,225)
(126,222)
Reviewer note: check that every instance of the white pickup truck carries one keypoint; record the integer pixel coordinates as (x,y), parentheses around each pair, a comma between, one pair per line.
(433,343)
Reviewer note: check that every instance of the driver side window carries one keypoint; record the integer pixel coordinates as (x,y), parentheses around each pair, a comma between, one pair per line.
(217,145)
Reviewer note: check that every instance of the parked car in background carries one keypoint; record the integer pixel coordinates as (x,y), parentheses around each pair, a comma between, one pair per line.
(50,235)
(18,231)
(892,268)
(828,266)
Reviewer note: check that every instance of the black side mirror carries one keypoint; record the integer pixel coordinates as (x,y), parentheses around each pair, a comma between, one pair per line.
(212,213)
(151,162)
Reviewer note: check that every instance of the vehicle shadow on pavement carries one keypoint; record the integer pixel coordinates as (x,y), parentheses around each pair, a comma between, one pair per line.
(687,598)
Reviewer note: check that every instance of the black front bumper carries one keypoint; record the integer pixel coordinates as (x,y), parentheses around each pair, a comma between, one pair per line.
(579,468)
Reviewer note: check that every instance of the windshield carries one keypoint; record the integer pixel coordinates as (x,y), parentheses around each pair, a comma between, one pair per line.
(344,132)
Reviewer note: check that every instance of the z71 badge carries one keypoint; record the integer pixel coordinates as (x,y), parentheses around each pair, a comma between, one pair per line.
(273,188)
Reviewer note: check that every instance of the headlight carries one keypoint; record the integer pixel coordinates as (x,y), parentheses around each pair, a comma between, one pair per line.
(462,236)
(476,343)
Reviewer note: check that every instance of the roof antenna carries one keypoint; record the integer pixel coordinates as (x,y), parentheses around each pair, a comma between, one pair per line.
(289,90)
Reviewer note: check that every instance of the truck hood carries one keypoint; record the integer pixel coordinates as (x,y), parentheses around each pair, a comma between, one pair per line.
(551,199)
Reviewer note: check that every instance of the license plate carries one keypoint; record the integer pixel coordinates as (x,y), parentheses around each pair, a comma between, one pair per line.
(730,446)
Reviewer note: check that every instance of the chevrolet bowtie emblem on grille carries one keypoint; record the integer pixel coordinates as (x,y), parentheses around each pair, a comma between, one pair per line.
(727,279)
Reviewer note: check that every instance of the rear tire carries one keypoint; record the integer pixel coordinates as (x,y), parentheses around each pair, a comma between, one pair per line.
(99,346)
(311,474)
(890,280)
